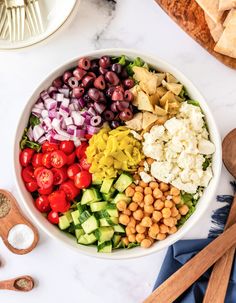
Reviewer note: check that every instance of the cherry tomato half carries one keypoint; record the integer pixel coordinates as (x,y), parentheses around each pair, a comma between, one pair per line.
(46,160)
(83,179)
(37,160)
(58,159)
(26,156)
(45,178)
(59,175)
(53,217)
(70,189)
(31,186)
(38,170)
(67,147)
(84,163)
(73,170)
(81,149)
(71,158)
(58,201)
(42,204)
(45,191)
(49,147)
(88,136)
(28,174)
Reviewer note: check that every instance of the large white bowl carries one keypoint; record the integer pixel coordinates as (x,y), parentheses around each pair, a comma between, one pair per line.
(203,203)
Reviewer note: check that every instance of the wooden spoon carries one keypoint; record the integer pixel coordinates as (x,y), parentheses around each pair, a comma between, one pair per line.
(219,279)
(23,283)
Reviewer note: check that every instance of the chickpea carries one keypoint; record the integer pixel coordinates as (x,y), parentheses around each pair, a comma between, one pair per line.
(156,216)
(129,191)
(169,222)
(125,241)
(153,230)
(157,193)
(161,237)
(163,198)
(143,184)
(150,161)
(140,237)
(141,204)
(159,204)
(130,230)
(136,177)
(147,191)
(164,229)
(168,204)
(175,221)
(140,229)
(131,238)
(178,217)
(166,194)
(141,163)
(146,243)
(166,212)
(148,199)
(121,205)
(124,219)
(139,189)
(153,185)
(172,230)
(146,222)
(132,185)
(133,206)
(148,209)
(176,199)
(183,210)
(174,212)
(138,215)
(138,197)
(132,222)
(175,191)
(164,187)
(140,169)
(151,239)
(127,212)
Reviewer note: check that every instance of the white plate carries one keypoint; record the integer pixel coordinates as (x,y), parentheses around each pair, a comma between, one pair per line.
(55,13)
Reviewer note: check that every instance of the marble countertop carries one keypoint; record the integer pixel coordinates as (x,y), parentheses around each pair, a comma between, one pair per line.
(61,274)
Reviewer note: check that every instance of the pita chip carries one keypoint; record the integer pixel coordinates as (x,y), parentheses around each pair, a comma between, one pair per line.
(216,29)
(229,16)
(225,5)
(211,8)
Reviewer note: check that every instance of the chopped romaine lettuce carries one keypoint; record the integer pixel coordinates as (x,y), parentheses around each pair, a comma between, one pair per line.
(33,120)
(206,163)
(25,142)
(193,102)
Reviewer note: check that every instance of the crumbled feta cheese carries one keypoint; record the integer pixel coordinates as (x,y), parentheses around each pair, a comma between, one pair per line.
(146,166)
(136,135)
(206,147)
(146,177)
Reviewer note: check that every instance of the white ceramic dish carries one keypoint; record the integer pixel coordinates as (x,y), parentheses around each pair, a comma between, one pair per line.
(56,14)
(203,203)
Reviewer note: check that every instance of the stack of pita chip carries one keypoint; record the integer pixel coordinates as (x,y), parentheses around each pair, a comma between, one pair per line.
(221,19)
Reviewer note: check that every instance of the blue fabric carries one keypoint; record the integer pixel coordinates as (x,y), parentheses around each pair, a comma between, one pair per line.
(177,255)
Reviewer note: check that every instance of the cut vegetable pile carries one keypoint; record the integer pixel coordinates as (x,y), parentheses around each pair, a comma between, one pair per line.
(116,154)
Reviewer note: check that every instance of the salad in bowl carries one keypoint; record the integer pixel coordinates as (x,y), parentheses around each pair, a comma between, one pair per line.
(116,154)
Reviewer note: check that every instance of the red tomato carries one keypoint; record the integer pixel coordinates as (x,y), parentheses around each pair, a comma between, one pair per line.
(46,160)
(49,147)
(31,186)
(38,170)
(69,188)
(88,136)
(58,201)
(71,158)
(67,147)
(45,191)
(42,204)
(58,159)
(80,150)
(37,160)
(28,174)
(53,217)
(59,175)
(73,170)
(26,156)
(84,163)
(83,179)
(45,178)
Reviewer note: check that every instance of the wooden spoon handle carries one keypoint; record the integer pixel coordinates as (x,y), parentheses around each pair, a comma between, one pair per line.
(219,279)
(174,286)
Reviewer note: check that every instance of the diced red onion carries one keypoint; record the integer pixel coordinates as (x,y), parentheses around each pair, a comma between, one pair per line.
(99,107)
(68,121)
(64,112)
(42,140)
(55,123)
(77,142)
(59,97)
(65,102)
(47,122)
(30,134)
(44,113)
(65,92)
(51,90)
(39,105)
(77,118)
(38,132)
(71,129)
(80,133)
(52,113)
(91,111)
(44,95)
(36,111)
(50,103)
(92,130)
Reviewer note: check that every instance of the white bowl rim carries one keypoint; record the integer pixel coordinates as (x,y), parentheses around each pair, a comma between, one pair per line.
(195,217)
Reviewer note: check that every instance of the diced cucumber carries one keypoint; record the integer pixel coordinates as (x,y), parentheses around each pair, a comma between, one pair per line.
(90,195)
(68,215)
(98,206)
(109,221)
(112,212)
(81,208)
(106,186)
(87,239)
(116,240)
(90,225)
(84,216)
(71,229)
(105,247)
(121,197)
(118,228)
(79,232)
(97,182)
(123,182)
(75,216)
(63,222)
(104,233)
(103,222)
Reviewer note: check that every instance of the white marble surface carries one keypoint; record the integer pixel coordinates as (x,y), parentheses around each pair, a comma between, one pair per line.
(63,275)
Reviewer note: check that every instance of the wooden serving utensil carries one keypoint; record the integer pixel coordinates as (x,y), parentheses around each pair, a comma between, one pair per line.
(11,215)
(219,279)
(23,283)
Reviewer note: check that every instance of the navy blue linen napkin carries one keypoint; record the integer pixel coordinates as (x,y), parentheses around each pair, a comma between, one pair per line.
(179,253)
